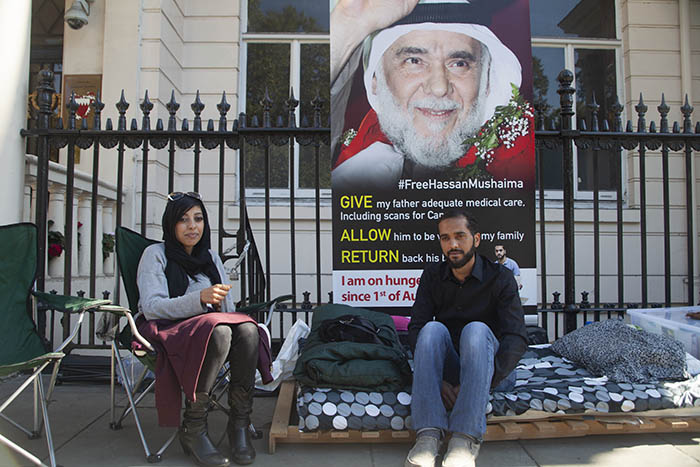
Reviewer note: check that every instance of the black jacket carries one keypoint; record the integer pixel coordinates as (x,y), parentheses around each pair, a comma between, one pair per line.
(489,294)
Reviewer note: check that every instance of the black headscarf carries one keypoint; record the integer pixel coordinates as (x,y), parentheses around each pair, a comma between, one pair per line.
(180,265)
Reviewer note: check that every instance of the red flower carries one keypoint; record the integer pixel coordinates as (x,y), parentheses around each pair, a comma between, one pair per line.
(517,162)
(55,250)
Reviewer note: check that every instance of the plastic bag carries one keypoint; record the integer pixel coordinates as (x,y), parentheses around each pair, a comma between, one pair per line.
(283,366)
(133,368)
(107,327)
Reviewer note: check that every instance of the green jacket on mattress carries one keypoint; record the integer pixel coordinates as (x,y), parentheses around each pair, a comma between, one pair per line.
(353,365)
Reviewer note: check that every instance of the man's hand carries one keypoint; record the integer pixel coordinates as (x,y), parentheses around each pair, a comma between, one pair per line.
(353,20)
(214,295)
(449,394)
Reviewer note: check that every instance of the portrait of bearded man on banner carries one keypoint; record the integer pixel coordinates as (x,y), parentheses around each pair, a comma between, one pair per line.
(444,100)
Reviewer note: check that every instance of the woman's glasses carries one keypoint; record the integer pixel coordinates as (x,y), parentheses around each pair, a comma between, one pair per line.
(176,195)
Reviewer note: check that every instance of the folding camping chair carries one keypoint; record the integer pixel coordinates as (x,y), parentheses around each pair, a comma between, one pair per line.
(22,348)
(129,248)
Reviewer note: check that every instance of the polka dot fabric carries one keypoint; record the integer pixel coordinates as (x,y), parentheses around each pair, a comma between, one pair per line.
(546,382)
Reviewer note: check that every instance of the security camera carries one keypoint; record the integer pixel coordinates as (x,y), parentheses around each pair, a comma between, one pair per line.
(77,14)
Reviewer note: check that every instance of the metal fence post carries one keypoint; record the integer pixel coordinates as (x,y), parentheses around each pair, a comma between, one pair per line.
(566,97)
(45,94)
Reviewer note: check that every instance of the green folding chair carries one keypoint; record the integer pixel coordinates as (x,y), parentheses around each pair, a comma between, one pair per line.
(22,349)
(129,248)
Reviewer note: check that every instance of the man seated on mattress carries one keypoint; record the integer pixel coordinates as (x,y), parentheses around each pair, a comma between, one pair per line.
(467,331)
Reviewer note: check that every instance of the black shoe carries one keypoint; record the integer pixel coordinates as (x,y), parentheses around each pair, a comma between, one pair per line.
(242,450)
(194,436)
(240,401)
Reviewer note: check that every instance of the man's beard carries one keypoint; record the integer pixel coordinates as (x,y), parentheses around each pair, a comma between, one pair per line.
(458,263)
(429,151)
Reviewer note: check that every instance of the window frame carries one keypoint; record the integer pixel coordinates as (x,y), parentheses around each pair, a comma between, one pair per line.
(569,44)
(295,41)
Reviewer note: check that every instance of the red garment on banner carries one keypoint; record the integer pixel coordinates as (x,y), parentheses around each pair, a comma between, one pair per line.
(515,163)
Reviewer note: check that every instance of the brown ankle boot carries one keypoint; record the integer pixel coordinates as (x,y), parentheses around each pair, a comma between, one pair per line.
(194,436)
(241,404)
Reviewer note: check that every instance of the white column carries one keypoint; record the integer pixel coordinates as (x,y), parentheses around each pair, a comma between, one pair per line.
(99,268)
(32,210)
(76,231)
(27,205)
(57,210)
(108,227)
(15,27)
(84,218)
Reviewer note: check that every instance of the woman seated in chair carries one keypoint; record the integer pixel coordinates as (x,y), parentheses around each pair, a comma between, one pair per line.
(189,315)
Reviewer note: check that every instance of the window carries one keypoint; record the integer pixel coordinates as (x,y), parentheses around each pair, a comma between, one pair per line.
(285,45)
(580,35)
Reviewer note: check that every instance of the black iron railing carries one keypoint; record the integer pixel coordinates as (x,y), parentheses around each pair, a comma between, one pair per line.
(604,138)
(613,138)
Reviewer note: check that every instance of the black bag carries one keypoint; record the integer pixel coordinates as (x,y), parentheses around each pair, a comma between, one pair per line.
(352,328)
(536,335)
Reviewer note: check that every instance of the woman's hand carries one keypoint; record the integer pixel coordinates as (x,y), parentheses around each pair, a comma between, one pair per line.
(214,295)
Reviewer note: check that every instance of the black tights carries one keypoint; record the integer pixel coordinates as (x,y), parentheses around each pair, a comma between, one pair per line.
(239,344)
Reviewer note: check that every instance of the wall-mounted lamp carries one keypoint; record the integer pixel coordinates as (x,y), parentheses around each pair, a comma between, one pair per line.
(77,14)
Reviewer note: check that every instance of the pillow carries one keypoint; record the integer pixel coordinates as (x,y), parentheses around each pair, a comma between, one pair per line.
(622,353)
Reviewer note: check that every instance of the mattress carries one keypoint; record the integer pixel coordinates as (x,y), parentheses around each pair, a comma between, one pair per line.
(547,386)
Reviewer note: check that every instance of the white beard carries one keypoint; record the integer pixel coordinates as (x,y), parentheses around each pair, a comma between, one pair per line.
(428,151)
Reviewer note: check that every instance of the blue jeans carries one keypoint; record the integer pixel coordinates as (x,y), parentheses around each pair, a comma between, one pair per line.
(436,360)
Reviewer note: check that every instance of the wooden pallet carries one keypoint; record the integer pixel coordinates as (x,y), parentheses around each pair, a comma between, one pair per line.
(503,429)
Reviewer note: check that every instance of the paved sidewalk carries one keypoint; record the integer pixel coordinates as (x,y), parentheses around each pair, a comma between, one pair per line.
(80,425)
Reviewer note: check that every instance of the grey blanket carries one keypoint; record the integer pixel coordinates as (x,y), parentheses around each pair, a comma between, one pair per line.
(612,348)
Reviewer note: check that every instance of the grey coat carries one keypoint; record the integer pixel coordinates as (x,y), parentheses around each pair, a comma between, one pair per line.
(155,301)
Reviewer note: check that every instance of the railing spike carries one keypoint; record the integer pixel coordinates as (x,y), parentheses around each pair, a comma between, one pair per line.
(291,105)
(159,124)
(617,109)
(652,127)
(223,106)
(687,110)
(664,109)
(266,103)
(72,107)
(185,125)
(122,106)
(594,108)
(108,125)
(606,125)
(134,125)
(317,103)
(641,110)
(210,125)
(146,107)
(629,127)
(676,127)
(97,106)
(172,107)
(197,107)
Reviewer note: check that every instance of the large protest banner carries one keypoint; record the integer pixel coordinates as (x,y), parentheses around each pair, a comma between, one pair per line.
(428,114)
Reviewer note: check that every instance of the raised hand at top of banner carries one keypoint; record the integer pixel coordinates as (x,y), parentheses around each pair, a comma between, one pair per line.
(353,20)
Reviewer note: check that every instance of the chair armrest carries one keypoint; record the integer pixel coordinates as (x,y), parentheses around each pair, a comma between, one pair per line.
(126,313)
(68,304)
(252,308)
(269,305)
